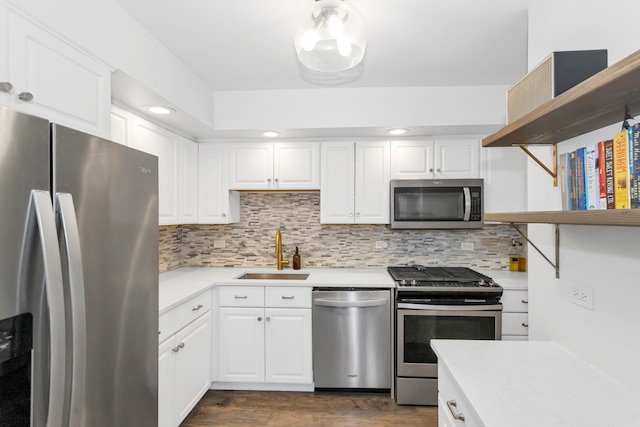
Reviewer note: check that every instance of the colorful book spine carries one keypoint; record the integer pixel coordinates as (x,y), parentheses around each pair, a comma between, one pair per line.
(602,176)
(573,181)
(634,155)
(581,195)
(608,170)
(565,181)
(621,169)
(592,179)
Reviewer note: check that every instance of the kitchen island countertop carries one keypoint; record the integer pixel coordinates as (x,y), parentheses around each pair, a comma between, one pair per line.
(535,383)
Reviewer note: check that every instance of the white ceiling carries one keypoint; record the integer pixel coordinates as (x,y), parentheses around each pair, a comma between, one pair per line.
(247,44)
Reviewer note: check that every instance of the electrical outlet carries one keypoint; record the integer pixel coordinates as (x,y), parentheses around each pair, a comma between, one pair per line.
(581,295)
(466,246)
(381,244)
(219,244)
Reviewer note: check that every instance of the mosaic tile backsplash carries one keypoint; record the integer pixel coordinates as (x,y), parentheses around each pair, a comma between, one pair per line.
(251,242)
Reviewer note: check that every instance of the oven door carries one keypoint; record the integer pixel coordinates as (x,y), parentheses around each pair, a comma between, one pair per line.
(418,324)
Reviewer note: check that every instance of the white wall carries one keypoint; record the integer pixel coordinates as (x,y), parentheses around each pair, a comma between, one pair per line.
(603,259)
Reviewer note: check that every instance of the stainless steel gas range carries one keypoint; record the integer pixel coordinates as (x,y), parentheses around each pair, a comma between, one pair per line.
(438,303)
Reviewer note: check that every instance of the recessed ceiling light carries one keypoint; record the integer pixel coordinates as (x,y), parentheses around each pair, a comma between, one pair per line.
(397,131)
(270,133)
(159,109)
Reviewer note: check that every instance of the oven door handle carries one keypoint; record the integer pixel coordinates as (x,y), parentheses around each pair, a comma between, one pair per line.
(341,303)
(410,306)
(467,203)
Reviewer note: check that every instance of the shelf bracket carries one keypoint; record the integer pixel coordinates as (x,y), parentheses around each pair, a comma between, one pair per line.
(554,172)
(556,266)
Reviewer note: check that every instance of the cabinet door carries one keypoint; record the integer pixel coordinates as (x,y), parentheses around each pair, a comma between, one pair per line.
(337,183)
(188,175)
(216,204)
(251,166)
(166,416)
(412,160)
(445,418)
(457,158)
(296,165)
(372,183)
(68,87)
(288,356)
(503,170)
(192,363)
(163,144)
(241,344)
(121,123)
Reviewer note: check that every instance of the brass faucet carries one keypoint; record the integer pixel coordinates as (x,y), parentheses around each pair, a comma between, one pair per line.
(281,261)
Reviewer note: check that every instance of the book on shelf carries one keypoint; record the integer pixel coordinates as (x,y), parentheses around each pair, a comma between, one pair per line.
(581,179)
(573,182)
(602,176)
(592,178)
(565,181)
(608,171)
(634,165)
(621,169)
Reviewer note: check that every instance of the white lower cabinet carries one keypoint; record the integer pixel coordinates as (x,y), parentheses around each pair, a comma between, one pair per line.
(453,408)
(264,337)
(184,359)
(515,316)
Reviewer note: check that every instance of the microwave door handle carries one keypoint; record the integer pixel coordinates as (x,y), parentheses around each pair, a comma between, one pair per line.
(467,203)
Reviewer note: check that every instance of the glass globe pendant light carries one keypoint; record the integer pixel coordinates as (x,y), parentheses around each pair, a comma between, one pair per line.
(331,37)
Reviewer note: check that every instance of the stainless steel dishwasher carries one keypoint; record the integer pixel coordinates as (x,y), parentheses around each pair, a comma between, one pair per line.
(352,338)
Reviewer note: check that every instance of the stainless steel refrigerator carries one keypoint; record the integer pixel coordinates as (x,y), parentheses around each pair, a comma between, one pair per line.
(78,278)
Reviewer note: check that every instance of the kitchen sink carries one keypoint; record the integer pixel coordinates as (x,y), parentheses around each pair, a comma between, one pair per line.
(274,276)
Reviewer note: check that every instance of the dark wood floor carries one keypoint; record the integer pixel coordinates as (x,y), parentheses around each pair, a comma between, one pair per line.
(255,408)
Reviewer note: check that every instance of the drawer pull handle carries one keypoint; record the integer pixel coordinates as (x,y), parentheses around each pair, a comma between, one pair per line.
(524,301)
(197,308)
(526,325)
(240,297)
(178,347)
(452,405)
(285,297)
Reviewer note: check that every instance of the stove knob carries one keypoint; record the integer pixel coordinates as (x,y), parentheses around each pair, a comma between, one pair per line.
(482,283)
(403,282)
(413,282)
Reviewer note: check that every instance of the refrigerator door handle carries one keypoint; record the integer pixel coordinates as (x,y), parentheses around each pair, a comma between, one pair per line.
(65,207)
(41,205)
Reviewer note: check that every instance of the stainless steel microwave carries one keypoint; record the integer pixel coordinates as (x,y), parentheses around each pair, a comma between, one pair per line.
(437,203)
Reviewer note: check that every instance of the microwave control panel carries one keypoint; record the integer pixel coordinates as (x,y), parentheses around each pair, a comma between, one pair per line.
(476,204)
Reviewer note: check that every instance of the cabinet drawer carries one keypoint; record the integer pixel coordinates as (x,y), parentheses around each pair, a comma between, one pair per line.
(448,391)
(241,296)
(179,317)
(515,324)
(287,296)
(515,301)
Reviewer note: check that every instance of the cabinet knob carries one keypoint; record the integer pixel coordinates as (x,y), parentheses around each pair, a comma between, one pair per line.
(438,170)
(350,214)
(25,96)
(6,87)
(358,215)
(268,319)
(268,179)
(276,180)
(259,319)
(224,215)
(430,169)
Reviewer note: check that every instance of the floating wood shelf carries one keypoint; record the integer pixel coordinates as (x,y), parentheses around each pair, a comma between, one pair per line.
(620,217)
(599,101)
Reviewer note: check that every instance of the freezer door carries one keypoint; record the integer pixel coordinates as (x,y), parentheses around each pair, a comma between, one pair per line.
(115,193)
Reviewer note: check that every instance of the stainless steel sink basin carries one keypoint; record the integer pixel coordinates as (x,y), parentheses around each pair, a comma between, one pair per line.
(274,276)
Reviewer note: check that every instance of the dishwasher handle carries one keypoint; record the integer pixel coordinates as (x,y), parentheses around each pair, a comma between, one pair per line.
(342,303)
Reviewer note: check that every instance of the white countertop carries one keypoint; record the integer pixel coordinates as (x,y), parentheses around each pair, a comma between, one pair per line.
(534,384)
(183,283)
(507,279)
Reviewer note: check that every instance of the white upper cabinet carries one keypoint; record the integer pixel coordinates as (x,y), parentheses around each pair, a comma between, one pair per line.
(446,158)
(188,182)
(216,204)
(52,79)
(274,166)
(355,183)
